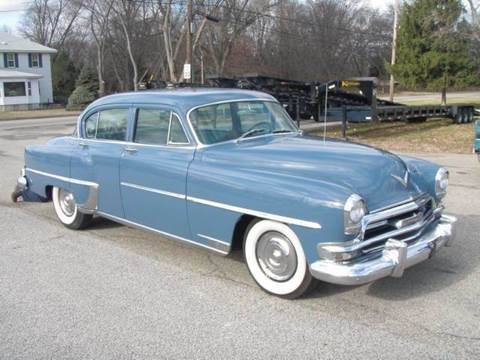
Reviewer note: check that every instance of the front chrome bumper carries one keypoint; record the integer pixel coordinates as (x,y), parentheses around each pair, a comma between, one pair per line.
(20,187)
(395,258)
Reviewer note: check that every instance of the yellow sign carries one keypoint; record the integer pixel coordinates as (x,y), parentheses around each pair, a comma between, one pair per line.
(350,83)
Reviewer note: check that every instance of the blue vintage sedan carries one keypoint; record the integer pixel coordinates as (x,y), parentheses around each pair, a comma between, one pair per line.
(225,169)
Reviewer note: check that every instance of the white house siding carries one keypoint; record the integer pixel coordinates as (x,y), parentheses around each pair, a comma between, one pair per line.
(45,83)
(20,100)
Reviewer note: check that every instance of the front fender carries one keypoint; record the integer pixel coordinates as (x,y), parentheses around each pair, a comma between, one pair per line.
(422,173)
(235,187)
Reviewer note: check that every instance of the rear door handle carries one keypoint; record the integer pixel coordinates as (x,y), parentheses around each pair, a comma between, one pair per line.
(83,144)
(130,150)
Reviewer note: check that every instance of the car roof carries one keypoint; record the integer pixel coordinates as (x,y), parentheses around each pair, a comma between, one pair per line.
(183,99)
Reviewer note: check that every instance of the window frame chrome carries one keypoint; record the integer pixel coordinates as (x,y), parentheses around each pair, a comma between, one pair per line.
(133,110)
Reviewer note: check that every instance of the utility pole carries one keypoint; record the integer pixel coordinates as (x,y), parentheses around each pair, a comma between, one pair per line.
(188,68)
(396,6)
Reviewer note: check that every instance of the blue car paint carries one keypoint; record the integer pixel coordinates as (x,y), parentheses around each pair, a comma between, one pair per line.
(156,168)
(288,175)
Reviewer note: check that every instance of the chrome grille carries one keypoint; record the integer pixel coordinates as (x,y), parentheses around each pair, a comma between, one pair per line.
(405,222)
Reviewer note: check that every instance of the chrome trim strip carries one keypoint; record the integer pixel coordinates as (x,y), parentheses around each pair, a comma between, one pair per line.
(124,143)
(213,239)
(144,227)
(279,218)
(156,191)
(63,178)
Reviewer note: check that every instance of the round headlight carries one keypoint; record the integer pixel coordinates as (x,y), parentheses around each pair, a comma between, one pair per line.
(441,182)
(353,213)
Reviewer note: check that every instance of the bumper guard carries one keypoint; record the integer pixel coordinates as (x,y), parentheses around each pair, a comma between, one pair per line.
(396,257)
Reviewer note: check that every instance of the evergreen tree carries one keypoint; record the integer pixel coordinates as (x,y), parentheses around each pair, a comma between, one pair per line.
(433,46)
(64,74)
(86,88)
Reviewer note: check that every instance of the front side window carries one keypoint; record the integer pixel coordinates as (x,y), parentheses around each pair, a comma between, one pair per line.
(11,60)
(241,119)
(158,127)
(112,124)
(14,89)
(91,126)
(152,126)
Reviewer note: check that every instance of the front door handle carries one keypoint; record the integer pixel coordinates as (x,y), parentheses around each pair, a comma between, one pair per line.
(130,150)
(83,144)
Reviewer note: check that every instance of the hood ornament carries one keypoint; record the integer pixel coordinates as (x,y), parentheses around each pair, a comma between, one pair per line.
(403,181)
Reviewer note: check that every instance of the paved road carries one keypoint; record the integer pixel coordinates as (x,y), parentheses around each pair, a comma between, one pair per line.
(113,292)
(467,96)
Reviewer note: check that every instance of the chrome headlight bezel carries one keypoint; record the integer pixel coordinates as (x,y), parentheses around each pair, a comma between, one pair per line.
(441,182)
(353,214)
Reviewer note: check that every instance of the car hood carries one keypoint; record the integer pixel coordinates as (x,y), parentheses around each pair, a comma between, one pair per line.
(374,174)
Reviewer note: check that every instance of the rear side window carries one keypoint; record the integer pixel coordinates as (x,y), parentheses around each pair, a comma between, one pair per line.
(152,126)
(112,124)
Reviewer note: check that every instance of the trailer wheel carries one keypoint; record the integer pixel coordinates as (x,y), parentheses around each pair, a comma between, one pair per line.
(458,117)
(465,116)
(470,115)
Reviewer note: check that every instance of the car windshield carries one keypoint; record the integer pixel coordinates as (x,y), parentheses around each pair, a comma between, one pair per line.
(242,119)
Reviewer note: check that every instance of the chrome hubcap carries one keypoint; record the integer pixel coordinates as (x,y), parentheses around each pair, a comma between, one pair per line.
(67,202)
(276,256)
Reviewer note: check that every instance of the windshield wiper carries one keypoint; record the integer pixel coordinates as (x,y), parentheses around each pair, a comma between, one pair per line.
(281,131)
(251,133)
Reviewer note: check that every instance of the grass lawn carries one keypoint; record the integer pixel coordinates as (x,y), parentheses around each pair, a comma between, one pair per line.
(435,135)
(32,114)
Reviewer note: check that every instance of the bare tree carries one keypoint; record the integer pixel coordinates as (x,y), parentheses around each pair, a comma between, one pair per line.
(474,6)
(50,22)
(99,17)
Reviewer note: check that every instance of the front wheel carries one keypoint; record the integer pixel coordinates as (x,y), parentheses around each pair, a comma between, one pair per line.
(276,260)
(67,210)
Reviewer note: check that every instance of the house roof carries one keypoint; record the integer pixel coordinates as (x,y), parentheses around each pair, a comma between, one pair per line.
(11,43)
(182,99)
(12,74)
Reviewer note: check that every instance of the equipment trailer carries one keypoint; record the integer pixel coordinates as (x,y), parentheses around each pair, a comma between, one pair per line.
(354,98)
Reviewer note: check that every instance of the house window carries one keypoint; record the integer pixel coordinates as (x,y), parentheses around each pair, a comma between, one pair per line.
(10,60)
(35,61)
(29,87)
(14,89)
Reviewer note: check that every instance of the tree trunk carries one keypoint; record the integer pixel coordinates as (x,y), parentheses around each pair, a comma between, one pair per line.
(444,89)
(130,54)
(168,44)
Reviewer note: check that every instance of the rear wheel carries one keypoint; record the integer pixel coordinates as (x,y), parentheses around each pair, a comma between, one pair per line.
(67,210)
(276,260)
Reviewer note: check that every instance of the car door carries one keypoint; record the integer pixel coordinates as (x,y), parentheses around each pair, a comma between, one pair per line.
(99,146)
(153,171)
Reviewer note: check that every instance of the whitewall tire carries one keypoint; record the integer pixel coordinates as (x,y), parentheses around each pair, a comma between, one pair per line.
(67,210)
(276,260)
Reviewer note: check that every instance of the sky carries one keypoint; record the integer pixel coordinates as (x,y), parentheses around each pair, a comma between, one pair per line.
(11,11)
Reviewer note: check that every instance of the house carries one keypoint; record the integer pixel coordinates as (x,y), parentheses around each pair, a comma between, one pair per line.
(25,73)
